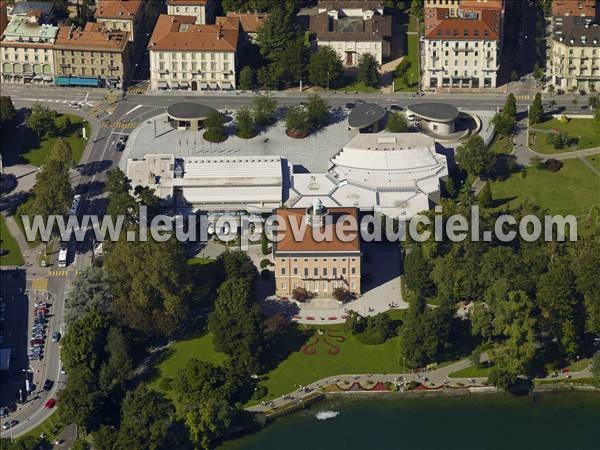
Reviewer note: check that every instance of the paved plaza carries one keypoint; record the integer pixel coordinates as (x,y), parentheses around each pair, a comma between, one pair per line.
(309,154)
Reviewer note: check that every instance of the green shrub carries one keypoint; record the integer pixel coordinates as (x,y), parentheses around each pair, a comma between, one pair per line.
(260,391)
(265,263)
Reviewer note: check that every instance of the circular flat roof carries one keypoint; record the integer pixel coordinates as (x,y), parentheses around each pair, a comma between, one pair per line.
(188,111)
(436,112)
(365,115)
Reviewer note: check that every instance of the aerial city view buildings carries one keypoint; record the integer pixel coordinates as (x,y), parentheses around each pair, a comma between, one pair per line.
(223,222)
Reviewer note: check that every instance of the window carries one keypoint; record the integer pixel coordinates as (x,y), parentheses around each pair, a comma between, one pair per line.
(354,271)
(295,271)
(283,271)
(283,285)
(335,271)
(316,271)
(305,272)
(343,271)
(324,271)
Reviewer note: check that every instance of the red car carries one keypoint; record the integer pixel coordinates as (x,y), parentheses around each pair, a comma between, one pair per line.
(37,342)
(51,403)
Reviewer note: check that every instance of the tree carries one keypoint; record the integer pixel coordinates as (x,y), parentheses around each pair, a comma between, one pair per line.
(416,9)
(209,420)
(368,70)
(147,419)
(61,152)
(503,124)
(150,283)
(536,110)
(558,139)
(90,291)
(83,344)
(80,400)
(246,78)
(8,114)
(52,192)
(510,107)
(236,264)
(278,31)
(396,123)
(318,112)
(215,126)
(290,64)
(485,196)
(325,67)
(402,68)
(300,294)
(474,156)
(236,325)
(416,272)
(342,295)
(268,77)
(105,437)
(264,110)
(120,202)
(297,120)
(41,120)
(244,122)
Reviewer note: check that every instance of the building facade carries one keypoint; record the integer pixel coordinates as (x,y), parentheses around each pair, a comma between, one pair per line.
(186,56)
(352,29)
(319,266)
(462,44)
(575,57)
(26,52)
(201,10)
(92,56)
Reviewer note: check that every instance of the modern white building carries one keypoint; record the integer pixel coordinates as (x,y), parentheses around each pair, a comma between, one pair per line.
(186,56)
(353,28)
(26,52)
(397,174)
(213,184)
(462,45)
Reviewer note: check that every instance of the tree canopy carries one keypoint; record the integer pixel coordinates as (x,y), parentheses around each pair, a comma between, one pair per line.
(474,156)
(325,67)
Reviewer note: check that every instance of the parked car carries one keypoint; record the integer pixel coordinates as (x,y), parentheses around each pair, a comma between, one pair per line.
(350,105)
(37,341)
(55,336)
(48,385)
(51,403)
(9,424)
(74,104)
(396,107)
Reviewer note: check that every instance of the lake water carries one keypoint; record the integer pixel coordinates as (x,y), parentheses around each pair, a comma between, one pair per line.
(561,421)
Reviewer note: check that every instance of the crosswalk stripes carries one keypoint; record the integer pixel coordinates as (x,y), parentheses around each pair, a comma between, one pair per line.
(119,124)
(136,91)
(59,273)
(523,97)
(40,284)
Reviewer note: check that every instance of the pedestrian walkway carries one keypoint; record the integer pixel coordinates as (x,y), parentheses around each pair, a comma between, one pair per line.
(59,273)
(589,164)
(40,284)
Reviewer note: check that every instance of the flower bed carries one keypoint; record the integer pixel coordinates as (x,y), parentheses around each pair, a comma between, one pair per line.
(296,134)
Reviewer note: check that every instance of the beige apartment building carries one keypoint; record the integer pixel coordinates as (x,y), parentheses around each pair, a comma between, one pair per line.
(319,266)
(26,52)
(186,56)
(575,60)
(92,56)
(201,10)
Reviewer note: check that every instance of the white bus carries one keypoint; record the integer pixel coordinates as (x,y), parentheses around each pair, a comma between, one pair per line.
(62,257)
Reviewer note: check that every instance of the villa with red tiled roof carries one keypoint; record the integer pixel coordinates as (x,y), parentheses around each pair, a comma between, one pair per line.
(187,56)
(201,10)
(317,249)
(462,43)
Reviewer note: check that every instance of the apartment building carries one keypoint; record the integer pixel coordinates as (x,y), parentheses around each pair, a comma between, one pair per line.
(92,56)
(201,10)
(352,28)
(26,52)
(462,44)
(319,266)
(575,56)
(187,56)
(581,8)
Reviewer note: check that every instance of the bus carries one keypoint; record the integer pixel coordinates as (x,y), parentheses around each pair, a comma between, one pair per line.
(62,257)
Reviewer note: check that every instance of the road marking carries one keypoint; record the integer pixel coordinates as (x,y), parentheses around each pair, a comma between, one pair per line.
(40,284)
(59,273)
(132,110)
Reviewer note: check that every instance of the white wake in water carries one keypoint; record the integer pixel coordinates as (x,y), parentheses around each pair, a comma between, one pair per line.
(325,415)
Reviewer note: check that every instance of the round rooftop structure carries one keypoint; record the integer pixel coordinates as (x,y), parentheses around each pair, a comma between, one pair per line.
(188,111)
(189,116)
(435,112)
(439,118)
(366,115)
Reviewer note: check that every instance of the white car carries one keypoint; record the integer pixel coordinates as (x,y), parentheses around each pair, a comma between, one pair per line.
(62,257)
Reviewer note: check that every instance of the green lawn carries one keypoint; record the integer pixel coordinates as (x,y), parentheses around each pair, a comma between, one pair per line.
(297,367)
(413,71)
(586,130)
(579,365)
(501,145)
(595,160)
(471,372)
(50,428)
(7,242)
(412,23)
(572,190)
(358,87)
(36,151)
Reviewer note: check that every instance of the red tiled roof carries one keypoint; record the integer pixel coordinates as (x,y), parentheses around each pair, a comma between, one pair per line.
(485,24)
(251,22)
(585,8)
(186,2)
(94,35)
(113,9)
(180,33)
(294,219)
